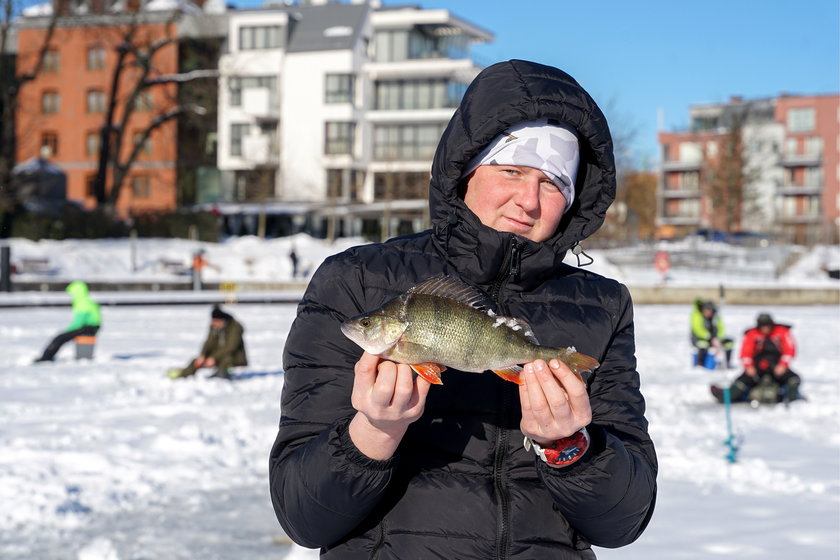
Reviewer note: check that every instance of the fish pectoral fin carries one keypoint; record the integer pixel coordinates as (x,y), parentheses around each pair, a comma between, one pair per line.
(510,373)
(429,371)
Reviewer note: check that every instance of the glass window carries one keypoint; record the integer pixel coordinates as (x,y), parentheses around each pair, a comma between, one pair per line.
(407,142)
(813,176)
(146,147)
(801,120)
(690,181)
(814,146)
(49,141)
(391,45)
(259,37)
(339,138)
(338,88)
(96,58)
(51,61)
(237,132)
(418,94)
(95,101)
(238,83)
(143,102)
(141,186)
(92,143)
(50,101)
(90,185)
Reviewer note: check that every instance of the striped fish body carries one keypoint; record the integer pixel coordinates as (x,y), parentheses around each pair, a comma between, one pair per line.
(440,323)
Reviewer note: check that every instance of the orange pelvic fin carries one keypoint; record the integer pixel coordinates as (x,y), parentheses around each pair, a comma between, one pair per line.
(511,373)
(429,371)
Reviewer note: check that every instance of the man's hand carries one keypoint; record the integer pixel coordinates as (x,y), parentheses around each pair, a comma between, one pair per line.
(779,370)
(554,402)
(388,398)
(751,371)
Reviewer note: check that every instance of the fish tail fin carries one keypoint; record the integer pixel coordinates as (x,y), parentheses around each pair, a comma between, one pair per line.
(510,373)
(579,363)
(429,371)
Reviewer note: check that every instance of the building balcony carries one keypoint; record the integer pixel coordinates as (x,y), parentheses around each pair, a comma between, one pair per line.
(678,165)
(799,219)
(803,190)
(259,150)
(680,193)
(258,103)
(679,220)
(421,68)
(813,159)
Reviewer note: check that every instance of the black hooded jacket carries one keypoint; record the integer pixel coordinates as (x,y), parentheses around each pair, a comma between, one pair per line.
(461,485)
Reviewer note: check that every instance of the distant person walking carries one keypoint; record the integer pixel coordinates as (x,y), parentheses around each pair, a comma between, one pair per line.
(87,320)
(294,258)
(223,348)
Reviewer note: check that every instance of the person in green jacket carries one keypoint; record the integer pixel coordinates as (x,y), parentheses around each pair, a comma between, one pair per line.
(87,320)
(223,349)
(707,332)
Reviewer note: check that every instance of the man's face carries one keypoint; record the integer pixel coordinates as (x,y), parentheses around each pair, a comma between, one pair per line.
(516,199)
(765,329)
(217,323)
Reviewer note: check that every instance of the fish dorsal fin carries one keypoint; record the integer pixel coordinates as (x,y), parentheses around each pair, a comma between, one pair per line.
(451,288)
(519,325)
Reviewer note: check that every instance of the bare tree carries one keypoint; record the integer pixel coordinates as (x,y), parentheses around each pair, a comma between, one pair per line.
(728,178)
(126,89)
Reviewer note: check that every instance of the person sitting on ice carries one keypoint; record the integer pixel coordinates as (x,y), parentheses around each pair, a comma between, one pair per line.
(766,353)
(223,349)
(707,331)
(87,319)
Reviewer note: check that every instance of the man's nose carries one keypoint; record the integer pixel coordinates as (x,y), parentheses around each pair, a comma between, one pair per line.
(528,195)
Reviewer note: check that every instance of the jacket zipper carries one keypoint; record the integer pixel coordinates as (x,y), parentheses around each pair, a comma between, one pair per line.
(509,270)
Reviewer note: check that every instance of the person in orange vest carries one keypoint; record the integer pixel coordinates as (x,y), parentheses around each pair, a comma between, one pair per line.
(198,264)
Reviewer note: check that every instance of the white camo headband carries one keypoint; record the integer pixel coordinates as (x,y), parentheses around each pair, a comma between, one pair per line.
(552,149)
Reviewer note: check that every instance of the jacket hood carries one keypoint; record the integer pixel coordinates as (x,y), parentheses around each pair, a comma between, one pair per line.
(500,96)
(77,289)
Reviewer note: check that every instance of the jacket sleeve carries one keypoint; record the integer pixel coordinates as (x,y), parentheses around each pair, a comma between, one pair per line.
(322,487)
(609,495)
(698,326)
(788,344)
(748,348)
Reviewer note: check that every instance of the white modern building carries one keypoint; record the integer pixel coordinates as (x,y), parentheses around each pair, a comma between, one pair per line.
(337,108)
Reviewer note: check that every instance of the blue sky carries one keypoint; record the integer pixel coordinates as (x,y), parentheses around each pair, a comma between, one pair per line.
(645,57)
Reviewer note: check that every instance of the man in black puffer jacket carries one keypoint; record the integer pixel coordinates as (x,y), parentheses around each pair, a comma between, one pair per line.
(404,471)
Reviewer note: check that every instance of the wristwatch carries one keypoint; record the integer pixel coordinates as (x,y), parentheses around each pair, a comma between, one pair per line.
(562,452)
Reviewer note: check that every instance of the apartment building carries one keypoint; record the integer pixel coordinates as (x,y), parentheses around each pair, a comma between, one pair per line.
(337,109)
(790,147)
(63,110)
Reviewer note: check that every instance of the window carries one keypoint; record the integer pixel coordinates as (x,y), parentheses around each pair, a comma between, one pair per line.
(90,185)
(144,101)
(336,187)
(338,88)
(259,37)
(137,138)
(238,83)
(339,138)
(418,94)
(96,58)
(814,146)
(92,143)
(813,177)
(690,181)
(49,144)
(401,185)
(408,142)
(95,101)
(50,102)
(237,132)
(51,61)
(141,187)
(801,120)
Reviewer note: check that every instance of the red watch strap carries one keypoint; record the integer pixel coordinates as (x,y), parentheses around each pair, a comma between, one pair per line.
(567,450)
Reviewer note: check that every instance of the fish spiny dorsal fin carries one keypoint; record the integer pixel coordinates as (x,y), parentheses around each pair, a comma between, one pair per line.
(451,288)
(519,325)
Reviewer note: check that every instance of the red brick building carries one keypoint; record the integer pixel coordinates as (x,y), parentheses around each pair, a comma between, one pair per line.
(63,109)
(791,158)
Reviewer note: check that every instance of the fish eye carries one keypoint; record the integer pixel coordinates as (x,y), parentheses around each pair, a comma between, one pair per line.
(365,322)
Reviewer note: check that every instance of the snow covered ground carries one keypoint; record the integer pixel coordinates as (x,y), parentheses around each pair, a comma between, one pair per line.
(110,460)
